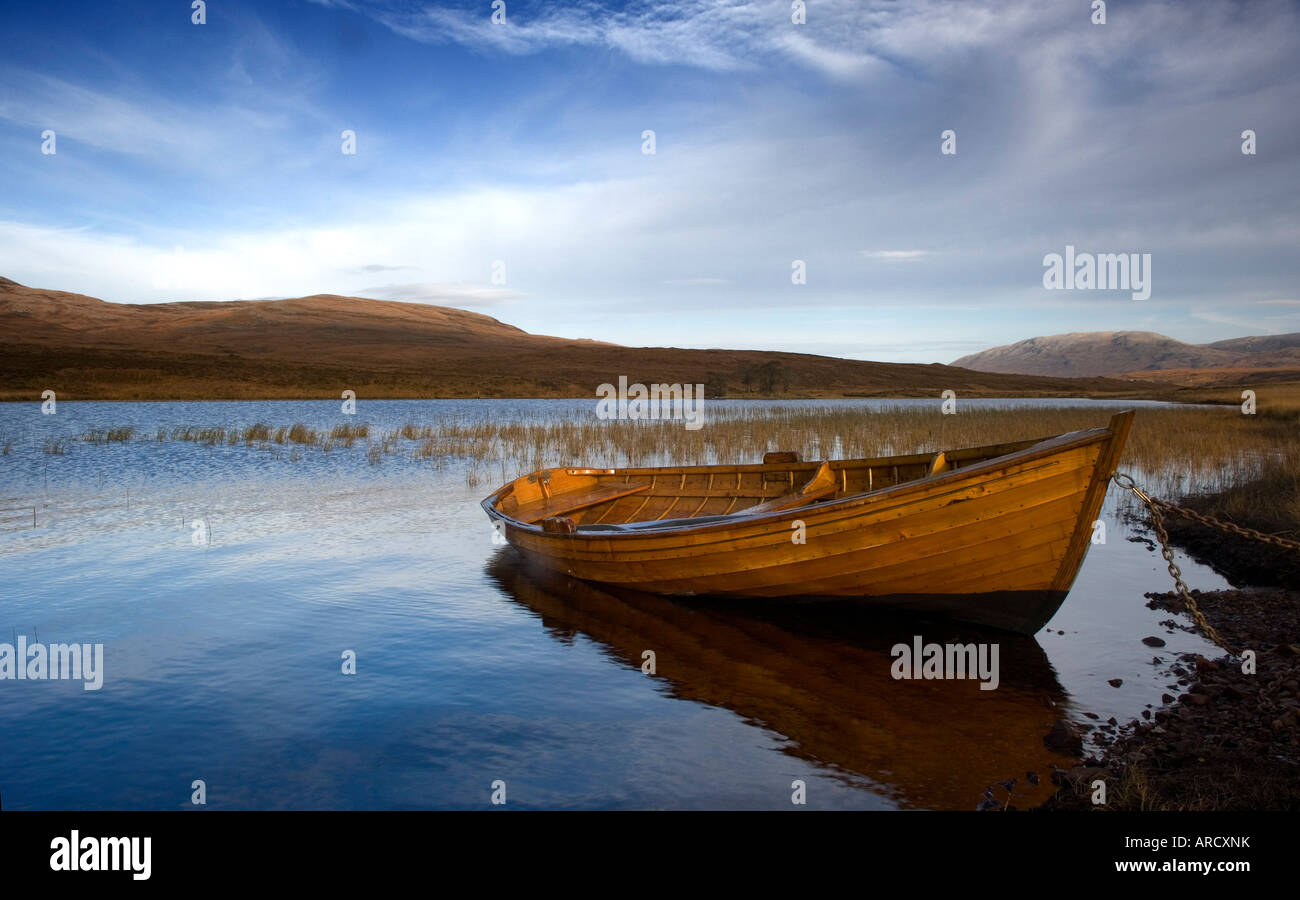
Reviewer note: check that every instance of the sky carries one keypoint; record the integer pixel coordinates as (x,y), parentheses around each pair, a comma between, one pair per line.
(504,167)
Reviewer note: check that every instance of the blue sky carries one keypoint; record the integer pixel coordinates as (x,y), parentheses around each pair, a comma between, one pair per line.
(204,162)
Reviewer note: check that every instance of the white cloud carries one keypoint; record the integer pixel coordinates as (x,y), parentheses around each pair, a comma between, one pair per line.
(454,294)
(895,255)
(710,35)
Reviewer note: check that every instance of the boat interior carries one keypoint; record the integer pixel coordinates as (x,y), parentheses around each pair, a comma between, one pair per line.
(569,499)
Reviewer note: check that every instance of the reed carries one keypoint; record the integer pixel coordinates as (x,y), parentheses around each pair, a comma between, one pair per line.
(255,434)
(301,434)
(111,436)
(412,432)
(207,436)
(1196,448)
(349,433)
(1178,451)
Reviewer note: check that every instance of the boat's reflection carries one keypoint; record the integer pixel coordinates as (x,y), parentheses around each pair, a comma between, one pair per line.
(821,677)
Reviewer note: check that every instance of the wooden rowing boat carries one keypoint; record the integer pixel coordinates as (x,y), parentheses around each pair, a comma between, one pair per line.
(993,535)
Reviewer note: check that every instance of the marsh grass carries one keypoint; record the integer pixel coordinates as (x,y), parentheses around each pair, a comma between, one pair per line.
(1270,502)
(1220,783)
(257,434)
(1187,449)
(1180,451)
(111,436)
(301,434)
(347,435)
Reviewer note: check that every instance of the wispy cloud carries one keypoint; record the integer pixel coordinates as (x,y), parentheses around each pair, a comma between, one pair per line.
(459,294)
(376,267)
(894,255)
(721,36)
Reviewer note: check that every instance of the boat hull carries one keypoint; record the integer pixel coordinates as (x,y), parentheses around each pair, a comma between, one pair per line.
(998,543)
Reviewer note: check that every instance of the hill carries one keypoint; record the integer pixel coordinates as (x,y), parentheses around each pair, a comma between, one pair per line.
(315,347)
(1133,354)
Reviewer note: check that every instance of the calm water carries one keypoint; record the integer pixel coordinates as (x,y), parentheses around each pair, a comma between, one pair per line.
(222,657)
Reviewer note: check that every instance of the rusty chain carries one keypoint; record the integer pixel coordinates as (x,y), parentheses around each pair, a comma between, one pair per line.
(1158,523)
(1212,522)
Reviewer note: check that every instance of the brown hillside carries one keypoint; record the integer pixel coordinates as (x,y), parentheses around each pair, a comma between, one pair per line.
(85,348)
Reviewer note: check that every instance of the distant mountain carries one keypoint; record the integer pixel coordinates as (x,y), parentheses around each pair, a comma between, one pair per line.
(1266,344)
(1115,353)
(84,348)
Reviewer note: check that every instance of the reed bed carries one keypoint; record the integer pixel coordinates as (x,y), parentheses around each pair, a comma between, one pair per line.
(1190,449)
(1180,450)
(109,436)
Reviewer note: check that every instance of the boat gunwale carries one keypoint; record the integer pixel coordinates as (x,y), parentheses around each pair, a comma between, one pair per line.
(1044,447)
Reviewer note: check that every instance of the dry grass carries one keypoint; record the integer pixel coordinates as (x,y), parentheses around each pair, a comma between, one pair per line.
(1219,782)
(301,434)
(257,434)
(1178,450)
(1189,450)
(1269,503)
(111,436)
(1270,399)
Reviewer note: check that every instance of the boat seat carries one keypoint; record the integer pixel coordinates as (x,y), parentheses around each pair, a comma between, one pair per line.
(822,484)
(572,501)
(656,524)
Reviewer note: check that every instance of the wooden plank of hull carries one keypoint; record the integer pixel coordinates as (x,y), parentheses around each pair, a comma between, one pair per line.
(851,561)
(826,518)
(922,523)
(1119,427)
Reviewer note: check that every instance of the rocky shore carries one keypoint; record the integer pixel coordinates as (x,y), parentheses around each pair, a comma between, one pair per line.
(1230,740)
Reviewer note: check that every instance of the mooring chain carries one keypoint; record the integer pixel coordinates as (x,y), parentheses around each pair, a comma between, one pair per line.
(1158,523)
(1226,526)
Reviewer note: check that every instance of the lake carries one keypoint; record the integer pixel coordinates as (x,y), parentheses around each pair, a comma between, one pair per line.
(227,583)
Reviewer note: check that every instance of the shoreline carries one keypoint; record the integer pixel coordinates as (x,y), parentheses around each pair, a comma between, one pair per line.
(1227,735)
(316,396)
(1229,742)
(1172,394)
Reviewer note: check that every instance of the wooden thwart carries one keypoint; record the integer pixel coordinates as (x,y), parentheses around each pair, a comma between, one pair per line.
(572,501)
(822,484)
